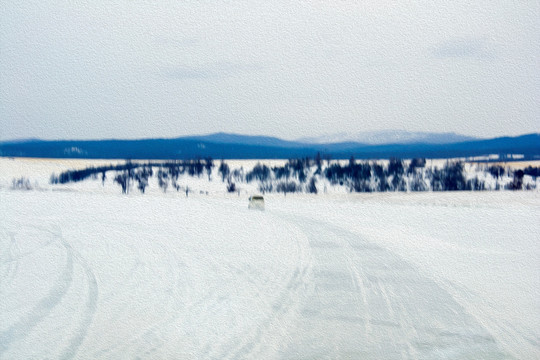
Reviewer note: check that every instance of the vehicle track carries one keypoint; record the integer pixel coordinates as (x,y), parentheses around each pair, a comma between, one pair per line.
(90,305)
(149,341)
(47,304)
(10,260)
(269,335)
(372,304)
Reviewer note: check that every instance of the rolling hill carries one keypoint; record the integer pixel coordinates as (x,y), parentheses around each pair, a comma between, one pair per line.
(234,146)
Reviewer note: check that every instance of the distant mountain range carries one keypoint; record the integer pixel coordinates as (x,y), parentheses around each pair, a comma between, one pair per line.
(233,146)
(389,137)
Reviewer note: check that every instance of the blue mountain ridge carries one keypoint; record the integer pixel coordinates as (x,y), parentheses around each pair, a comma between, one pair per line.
(235,146)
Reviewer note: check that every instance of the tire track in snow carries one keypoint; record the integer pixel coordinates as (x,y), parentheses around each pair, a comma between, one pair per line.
(49,302)
(516,341)
(358,279)
(11,260)
(44,307)
(158,330)
(280,309)
(411,318)
(211,347)
(283,312)
(151,339)
(12,256)
(385,308)
(90,306)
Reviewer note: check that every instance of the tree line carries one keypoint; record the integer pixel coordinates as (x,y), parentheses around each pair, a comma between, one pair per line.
(129,173)
(310,175)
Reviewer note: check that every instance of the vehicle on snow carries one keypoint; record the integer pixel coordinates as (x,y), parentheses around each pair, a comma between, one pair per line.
(256,202)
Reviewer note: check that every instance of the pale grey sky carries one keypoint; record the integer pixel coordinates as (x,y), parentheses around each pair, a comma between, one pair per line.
(134,69)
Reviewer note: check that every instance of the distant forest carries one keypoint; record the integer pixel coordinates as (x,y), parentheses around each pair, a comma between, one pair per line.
(313,175)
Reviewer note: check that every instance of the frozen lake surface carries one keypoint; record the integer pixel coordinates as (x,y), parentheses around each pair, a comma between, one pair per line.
(91,275)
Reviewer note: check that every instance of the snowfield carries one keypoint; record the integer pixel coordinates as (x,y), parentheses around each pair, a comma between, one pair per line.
(89,273)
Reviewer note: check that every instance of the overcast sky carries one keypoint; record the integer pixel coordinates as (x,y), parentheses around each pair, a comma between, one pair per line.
(133,69)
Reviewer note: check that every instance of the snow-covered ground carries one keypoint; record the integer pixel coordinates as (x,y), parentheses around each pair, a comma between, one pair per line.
(89,273)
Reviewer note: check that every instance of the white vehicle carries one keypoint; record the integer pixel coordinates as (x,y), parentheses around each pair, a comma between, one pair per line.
(256,202)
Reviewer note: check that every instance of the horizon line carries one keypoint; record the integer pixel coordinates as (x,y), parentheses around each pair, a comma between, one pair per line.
(297,140)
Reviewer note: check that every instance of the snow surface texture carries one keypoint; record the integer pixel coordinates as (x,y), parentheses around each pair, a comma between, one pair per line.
(89,273)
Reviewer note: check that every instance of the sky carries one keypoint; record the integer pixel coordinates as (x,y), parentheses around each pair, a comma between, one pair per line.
(144,69)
